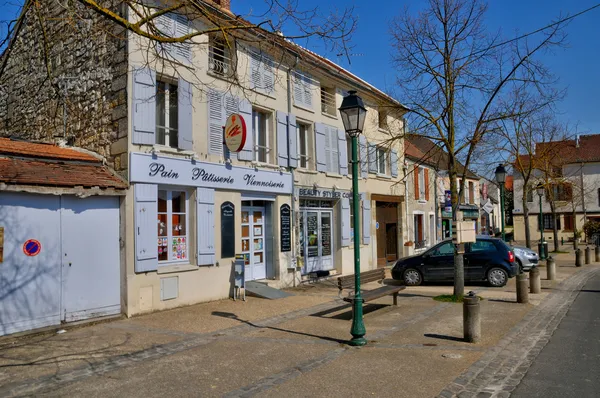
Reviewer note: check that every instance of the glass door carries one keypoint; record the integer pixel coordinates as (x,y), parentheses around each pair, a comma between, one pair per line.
(316,240)
(253,242)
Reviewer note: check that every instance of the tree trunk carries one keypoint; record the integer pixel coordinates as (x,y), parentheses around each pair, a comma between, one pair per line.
(554,226)
(575,243)
(459,265)
(526,221)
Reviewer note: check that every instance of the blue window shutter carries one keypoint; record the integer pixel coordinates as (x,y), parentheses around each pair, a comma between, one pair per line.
(144,106)
(232,105)
(268,74)
(206,225)
(282,139)
(364,159)
(216,121)
(184,109)
(345,221)
(372,158)
(293,140)
(256,78)
(320,132)
(246,112)
(394,163)
(181,51)
(342,152)
(366,224)
(146,232)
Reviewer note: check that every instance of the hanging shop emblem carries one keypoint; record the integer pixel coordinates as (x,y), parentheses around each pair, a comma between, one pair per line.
(32,247)
(235,132)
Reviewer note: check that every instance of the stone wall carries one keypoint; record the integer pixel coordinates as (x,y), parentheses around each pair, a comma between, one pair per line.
(80,66)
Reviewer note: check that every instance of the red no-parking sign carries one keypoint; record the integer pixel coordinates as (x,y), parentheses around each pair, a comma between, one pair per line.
(32,247)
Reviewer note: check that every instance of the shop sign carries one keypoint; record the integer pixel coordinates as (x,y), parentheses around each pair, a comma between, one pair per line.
(227,230)
(323,193)
(285,234)
(235,132)
(448,201)
(470,213)
(152,169)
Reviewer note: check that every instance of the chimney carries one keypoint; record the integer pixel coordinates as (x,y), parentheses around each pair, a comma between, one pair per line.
(223,4)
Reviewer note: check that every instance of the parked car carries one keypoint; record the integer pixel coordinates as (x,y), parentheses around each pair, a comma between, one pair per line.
(526,258)
(487,259)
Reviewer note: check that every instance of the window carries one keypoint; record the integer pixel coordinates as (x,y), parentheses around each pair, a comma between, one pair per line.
(328,101)
(382,160)
(549,222)
(382,115)
(483,246)
(422,183)
(569,222)
(304,145)
(560,193)
(445,249)
(419,232)
(261,131)
(471,192)
(303,89)
(220,60)
(166,114)
(529,193)
(172,226)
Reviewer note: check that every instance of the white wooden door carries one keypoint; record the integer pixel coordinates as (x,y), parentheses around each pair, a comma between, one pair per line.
(90,257)
(317,240)
(254,243)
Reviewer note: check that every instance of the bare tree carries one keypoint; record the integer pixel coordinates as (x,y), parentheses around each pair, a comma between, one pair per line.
(452,75)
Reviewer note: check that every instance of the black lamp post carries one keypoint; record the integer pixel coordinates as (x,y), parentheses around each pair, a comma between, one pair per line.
(540,192)
(353,114)
(501,179)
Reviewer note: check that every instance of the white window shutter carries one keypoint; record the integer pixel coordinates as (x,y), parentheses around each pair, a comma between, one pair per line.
(184,109)
(256,78)
(268,72)
(328,144)
(181,51)
(232,105)
(308,91)
(216,121)
(146,230)
(320,132)
(282,139)
(293,140)
(394,163)
(144,106)
(247,153)
(166,26)
(342,152)
(364,159)
(345,218)
(205,213)
(298,89)
(372,158)
(366,225)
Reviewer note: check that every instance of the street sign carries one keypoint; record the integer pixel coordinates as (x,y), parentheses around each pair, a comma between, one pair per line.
(488,206)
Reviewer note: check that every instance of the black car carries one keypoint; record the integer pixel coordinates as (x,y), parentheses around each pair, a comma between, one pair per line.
(487,259)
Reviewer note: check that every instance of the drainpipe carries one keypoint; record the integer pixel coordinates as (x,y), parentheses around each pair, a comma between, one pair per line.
(436,205)
(405,168)
(293,220)
(582,194)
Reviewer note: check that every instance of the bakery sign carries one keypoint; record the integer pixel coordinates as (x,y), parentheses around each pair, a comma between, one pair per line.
(235,132)
(153,169)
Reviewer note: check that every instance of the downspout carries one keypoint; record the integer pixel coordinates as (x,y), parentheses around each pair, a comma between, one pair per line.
(293,218)
(405,168)
(436,204)
(582,194)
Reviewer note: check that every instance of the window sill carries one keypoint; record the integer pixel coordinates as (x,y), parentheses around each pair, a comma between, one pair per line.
(334,175)
(329,116)
(270,94)
(228,78)
(304,108)
(384,176)
(172,268)
(257,165)
(157,148)
(421,201)
(306,171)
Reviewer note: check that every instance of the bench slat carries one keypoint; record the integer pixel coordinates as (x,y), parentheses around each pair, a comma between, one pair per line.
(374,294)
(345,282)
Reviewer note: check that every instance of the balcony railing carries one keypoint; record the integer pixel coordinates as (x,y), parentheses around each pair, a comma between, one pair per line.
(327,102)
(219,61)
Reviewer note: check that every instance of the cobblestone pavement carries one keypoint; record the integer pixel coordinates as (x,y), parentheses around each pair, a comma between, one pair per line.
(501,368)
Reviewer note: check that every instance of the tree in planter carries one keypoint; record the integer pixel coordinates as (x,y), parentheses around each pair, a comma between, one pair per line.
(452,75)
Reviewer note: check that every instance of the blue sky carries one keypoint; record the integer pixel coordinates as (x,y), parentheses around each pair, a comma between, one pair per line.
(577,65)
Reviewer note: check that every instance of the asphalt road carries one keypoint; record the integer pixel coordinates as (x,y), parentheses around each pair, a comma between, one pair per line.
(569,364)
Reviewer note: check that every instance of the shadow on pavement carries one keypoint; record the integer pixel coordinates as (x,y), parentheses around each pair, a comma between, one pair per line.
(443,337)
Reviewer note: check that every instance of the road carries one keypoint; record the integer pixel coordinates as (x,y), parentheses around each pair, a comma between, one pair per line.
(569,364)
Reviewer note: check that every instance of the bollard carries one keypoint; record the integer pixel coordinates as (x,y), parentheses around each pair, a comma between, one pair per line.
(578,258)
(562,240)
(535,285)
(471,318)
(597,252)
(522,291)
(588,255)
(550,269)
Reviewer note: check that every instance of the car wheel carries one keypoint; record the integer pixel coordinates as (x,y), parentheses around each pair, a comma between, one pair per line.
(412,277)
(497,277)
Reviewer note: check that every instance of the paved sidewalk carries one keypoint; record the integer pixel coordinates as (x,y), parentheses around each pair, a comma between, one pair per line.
(289,347)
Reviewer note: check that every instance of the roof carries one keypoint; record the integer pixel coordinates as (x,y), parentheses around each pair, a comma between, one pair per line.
(585,148)
(27,163)
(423,150)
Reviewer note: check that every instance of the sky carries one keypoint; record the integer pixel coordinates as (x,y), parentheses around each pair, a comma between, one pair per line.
(577,65)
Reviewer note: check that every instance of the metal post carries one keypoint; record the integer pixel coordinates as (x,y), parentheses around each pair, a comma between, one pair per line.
(358,327)
(522,292)
(588,255)
(535,284)
(471,318)
(550,269)
(597,252)
(578,258)
(502,210)
(543,253)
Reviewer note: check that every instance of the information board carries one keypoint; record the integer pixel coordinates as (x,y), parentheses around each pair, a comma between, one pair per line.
(227,230)
(285,235)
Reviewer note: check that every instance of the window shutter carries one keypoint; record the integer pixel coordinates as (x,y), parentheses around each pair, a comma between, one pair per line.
(364,159)
(282,139)
(366,225)
(293,140)
(206,225)
(320,132)
(298,89)
(268,74)
(345,218)
(182,51)
(342,152)
(216,121)
(247,153)
(166,26)
(333,150)
(568,192)
(372,158)
(426,171)
(144,106)
(184,109)
(308,91)
(394,163)
(146,232)
(232,105)
(328,165)
(416,178)
(256,82)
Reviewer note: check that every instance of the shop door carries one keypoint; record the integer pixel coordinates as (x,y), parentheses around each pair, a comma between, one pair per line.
(253,242)
(392,242)
(317,238)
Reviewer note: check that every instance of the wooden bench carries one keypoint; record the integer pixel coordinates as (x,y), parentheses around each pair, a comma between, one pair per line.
(347,282)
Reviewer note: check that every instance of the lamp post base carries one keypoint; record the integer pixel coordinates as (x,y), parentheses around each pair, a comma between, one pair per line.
(358,342)
(357,330)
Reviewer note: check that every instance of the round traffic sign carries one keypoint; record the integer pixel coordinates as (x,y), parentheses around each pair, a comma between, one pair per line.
(32,247)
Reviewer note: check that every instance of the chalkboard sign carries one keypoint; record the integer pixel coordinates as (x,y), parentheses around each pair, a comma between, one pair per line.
(227,230)
(286,228)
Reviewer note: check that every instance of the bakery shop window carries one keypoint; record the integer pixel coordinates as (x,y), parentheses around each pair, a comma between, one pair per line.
(172,226)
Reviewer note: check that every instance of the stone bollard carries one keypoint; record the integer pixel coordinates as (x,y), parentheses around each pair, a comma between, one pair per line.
(597,252)
(588,255)
(535,285)
(550,269)
(471,318)
(522,291)
(578,258)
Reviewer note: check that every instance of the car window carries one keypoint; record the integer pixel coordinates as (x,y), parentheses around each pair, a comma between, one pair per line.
(483,246)
(447,249)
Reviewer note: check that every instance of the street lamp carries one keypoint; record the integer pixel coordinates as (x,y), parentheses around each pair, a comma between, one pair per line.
(501,179)
(353,114)
(540,192)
